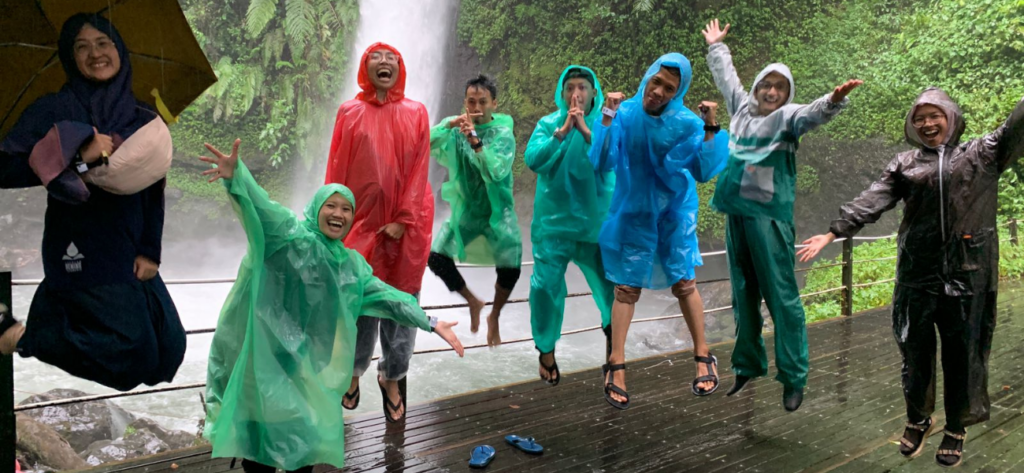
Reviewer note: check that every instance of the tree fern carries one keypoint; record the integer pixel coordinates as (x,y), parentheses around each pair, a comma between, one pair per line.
(643,6)
(259,14)
(300,23)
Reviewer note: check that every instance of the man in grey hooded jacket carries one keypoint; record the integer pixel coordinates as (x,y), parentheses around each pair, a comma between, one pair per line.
(756,190)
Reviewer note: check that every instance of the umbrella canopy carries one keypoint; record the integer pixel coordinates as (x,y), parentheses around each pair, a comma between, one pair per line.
(167,61)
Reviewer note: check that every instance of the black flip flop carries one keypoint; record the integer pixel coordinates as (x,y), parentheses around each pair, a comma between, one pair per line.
(388,404)
(552,370)
(354,398)
(712,362)
(610,387)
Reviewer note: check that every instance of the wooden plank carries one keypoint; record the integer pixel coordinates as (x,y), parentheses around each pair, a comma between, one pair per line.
(852,413)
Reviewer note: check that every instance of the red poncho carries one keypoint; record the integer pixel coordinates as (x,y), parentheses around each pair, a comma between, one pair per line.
(381,151)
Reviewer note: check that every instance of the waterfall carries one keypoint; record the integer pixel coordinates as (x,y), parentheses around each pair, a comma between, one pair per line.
(420,30)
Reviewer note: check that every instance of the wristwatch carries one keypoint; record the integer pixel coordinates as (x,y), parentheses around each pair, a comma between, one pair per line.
(433,323)
(713,128)
(82,167)
(479,144)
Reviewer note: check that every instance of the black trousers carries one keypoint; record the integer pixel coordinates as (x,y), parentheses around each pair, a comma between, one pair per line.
(444,267)
(118,335)
(965,325)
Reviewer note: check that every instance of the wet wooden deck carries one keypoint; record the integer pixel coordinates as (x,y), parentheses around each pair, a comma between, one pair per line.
(850,420)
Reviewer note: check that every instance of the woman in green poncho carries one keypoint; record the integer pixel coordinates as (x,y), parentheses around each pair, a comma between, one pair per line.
(282,355)
(478,148)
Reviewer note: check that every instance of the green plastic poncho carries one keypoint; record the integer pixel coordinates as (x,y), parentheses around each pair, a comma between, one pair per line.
(282,355)
(479,190)
(570,204)
(572,199)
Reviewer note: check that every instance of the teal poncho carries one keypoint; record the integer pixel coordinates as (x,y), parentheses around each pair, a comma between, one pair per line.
(483,228)
(572,198)
(282,355)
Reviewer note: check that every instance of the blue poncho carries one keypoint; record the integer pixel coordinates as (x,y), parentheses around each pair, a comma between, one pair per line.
(650,236)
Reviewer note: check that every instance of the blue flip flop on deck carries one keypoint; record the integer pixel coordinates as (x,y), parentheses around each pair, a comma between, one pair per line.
(526,444)
(481,457)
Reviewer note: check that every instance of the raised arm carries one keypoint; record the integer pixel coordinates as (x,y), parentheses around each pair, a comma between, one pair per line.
(268,224)
(1006,143)
(804,118)
(722,70)
(607,135)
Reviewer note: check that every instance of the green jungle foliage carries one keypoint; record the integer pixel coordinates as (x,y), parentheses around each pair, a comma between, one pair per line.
(277,62)
(822,277)
(973,49)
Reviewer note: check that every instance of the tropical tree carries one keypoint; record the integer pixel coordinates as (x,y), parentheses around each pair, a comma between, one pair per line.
(279,64)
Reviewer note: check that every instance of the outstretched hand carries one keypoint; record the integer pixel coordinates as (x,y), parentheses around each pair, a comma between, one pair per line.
(844,89)
(444,330)
(814,246)
(713,34)
(225,164)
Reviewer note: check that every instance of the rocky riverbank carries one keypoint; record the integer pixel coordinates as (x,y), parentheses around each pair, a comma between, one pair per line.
(88,434)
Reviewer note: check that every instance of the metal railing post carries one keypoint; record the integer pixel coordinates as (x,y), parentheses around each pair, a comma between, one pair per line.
(847,303)
(1013,231)
(8,436)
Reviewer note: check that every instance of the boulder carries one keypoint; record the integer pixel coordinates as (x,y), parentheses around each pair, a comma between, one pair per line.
(137,443)
(42,448)
(175,439)
(80,424)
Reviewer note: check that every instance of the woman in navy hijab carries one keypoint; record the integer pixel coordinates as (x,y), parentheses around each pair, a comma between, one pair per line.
(102,312)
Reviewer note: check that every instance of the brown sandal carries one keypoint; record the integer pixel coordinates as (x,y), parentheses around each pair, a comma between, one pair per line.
(951,457)
(909,447)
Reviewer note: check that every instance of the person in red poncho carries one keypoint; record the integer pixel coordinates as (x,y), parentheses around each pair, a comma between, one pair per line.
(381,150)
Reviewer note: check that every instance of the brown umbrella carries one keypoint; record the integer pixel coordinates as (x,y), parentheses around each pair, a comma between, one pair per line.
(164,53)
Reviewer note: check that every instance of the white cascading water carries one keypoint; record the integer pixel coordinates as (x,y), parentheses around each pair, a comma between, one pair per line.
(420,30)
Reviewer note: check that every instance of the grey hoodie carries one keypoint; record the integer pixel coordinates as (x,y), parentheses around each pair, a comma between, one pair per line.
(748,130)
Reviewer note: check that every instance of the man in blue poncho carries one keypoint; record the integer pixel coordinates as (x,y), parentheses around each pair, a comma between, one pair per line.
(657,148)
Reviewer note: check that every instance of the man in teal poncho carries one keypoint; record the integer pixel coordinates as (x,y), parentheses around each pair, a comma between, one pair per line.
(570,204)
(478,149)
(657,148)
(282,355)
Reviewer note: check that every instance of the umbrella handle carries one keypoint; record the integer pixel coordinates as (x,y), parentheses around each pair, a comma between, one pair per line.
(161,107)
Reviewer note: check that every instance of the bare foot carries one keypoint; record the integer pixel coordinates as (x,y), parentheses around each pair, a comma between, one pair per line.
(350,402)
(475,307)
(547,359)
(395,396)
(619,380)
(493,331)
(702,370)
